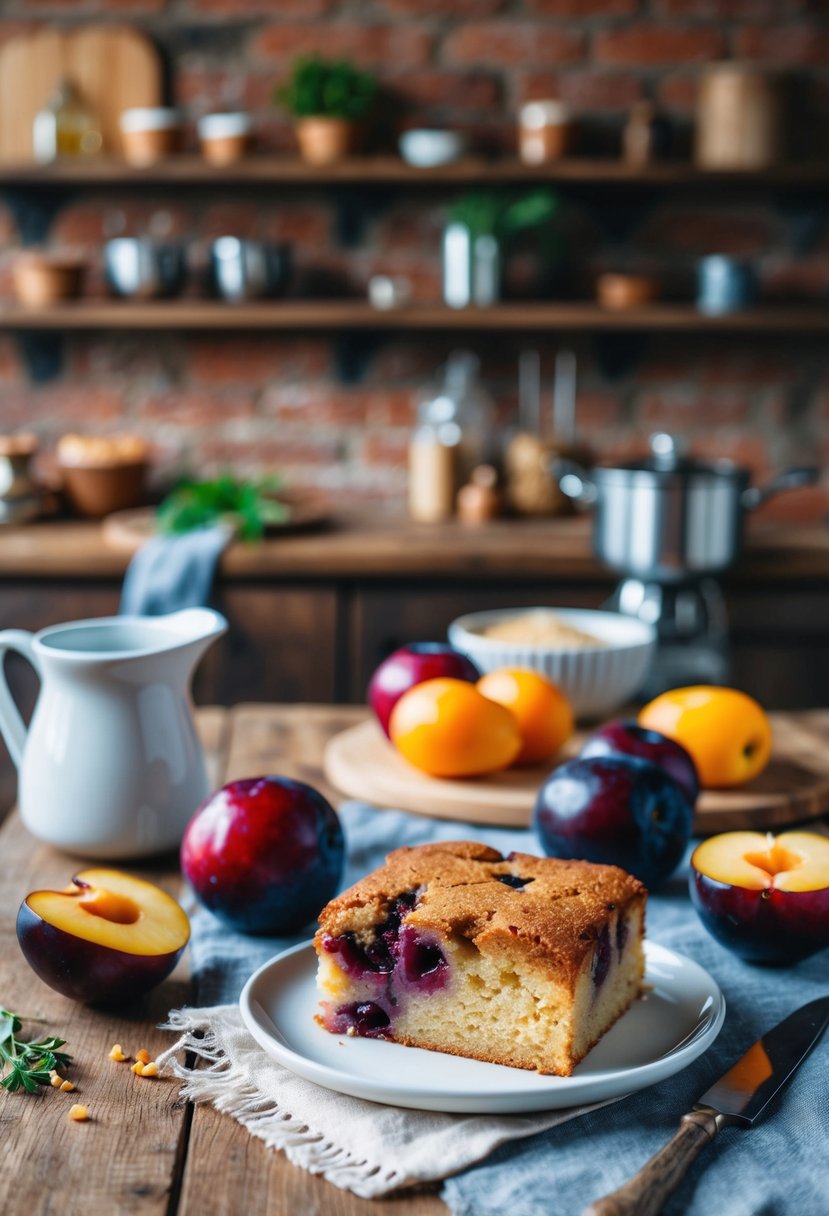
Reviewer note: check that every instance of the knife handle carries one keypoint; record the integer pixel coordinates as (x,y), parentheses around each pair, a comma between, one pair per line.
(645,1193)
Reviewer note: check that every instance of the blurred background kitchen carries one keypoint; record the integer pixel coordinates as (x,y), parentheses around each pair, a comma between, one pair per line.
(427,282)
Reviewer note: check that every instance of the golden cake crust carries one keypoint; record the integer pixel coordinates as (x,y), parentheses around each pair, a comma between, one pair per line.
(553,919)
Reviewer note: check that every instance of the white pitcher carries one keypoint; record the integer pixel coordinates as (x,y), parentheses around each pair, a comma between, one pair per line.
(111,765)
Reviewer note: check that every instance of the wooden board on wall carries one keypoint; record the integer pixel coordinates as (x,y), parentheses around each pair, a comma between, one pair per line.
(114,66)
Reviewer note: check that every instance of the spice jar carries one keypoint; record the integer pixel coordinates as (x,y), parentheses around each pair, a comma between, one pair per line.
(480,499)
(545,131)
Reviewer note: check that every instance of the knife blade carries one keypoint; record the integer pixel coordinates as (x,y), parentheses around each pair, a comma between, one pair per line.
(738,1099)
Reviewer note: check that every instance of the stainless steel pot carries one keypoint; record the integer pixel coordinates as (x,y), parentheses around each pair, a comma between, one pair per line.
(143,269)
(669,518)
(248,270)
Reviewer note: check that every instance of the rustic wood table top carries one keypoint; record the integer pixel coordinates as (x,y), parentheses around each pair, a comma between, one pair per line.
(145,1151)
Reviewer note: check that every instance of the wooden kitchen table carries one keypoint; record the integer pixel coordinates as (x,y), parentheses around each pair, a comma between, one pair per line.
(145,1151)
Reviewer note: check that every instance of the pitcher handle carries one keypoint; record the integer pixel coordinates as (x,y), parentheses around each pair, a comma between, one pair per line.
(12,726)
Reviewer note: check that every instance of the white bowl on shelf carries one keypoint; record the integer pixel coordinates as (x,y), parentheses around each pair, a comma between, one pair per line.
(596,679)
(428,149)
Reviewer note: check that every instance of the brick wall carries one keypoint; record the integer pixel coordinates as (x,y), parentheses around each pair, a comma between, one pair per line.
(264,400)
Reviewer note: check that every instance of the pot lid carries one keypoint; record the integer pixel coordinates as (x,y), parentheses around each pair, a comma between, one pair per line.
(669,459)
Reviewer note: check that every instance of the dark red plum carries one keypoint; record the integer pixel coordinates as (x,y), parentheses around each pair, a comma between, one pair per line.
(265,854)
(627,738)
(615,810)
(414,664)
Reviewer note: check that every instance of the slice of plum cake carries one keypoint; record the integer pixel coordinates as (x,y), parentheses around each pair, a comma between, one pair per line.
(517,960)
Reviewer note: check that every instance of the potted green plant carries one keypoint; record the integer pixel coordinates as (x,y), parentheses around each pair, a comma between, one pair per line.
(330,100)
(482,226)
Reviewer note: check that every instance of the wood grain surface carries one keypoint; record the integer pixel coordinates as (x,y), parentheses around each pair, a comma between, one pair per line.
(144,1152)
(362,763)
(114,67)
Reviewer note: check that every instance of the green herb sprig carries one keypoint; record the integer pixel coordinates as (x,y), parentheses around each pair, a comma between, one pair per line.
(25,1063)
(247,506)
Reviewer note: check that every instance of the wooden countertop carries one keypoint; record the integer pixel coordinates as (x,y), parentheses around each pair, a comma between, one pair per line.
(145,1152)
(358,547)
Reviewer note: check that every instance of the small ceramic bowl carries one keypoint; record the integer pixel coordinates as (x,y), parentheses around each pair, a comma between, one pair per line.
(425,149)
(619,292)
(595,679)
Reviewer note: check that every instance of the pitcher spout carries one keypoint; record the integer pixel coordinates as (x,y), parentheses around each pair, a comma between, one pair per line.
(197,627)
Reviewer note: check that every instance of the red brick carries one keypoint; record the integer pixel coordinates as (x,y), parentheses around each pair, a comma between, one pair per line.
(688,228)
(255,359)
(585,88)
(80,224)
(651,43)
(749,450)
(745,367)
(205,89)
(117,6)
(11,366)
(377,45)
(783,44)
(386,448)
(194,408)
(582,8)
(315,405)
(718,10)
(270,450)
(785,280)
(307,223)
(513,43)
(244,9)
(54,408)
(678,91)
(683,409)
(452,9)
(458,90)
(229,219)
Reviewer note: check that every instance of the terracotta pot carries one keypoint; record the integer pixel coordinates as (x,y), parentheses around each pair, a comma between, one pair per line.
(41,279)
(325,140)
(98,490)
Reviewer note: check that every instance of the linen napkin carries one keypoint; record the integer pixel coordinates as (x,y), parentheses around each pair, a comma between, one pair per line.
(173,572)
(545,1164)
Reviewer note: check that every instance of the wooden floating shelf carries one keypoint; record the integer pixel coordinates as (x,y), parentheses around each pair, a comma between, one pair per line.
(391,170)
(338,315)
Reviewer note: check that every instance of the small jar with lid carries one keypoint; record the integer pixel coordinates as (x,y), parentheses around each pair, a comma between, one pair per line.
(545,131)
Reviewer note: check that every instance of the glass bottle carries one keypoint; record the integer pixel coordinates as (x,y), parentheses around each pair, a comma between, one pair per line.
(65,126)
(453,435)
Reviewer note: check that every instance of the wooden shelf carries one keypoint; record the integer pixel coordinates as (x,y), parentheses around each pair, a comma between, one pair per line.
(357,315)
(391,170)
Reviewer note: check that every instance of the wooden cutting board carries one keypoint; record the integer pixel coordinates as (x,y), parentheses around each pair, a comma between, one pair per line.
(362,763)
(127,531)
(114,66)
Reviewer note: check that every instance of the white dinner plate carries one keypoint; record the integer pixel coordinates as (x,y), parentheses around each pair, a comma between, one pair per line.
(678,1018)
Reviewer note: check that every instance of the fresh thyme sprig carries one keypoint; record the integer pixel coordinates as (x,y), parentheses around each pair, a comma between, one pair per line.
(27,1063)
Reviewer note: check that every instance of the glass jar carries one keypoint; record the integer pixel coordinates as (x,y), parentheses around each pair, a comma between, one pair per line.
(64,127)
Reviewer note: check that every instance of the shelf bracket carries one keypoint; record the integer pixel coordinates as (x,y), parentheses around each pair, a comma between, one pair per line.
(42,353)
(353,352)
(34,209)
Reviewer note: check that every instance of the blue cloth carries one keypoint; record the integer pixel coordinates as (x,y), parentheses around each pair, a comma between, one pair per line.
(173,572)
(778,1168)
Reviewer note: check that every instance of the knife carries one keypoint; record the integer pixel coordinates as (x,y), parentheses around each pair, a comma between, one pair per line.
(738,1099)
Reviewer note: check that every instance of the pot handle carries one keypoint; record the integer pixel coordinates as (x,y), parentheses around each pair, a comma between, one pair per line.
(790,479)
(573,480)
(12,725)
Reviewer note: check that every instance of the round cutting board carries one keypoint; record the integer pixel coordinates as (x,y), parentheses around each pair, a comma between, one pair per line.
(362,764)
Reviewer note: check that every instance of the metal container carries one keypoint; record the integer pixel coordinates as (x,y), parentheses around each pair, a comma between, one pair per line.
(724,285)
(248,270)
(669,518)
(471,268)
(143,269)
